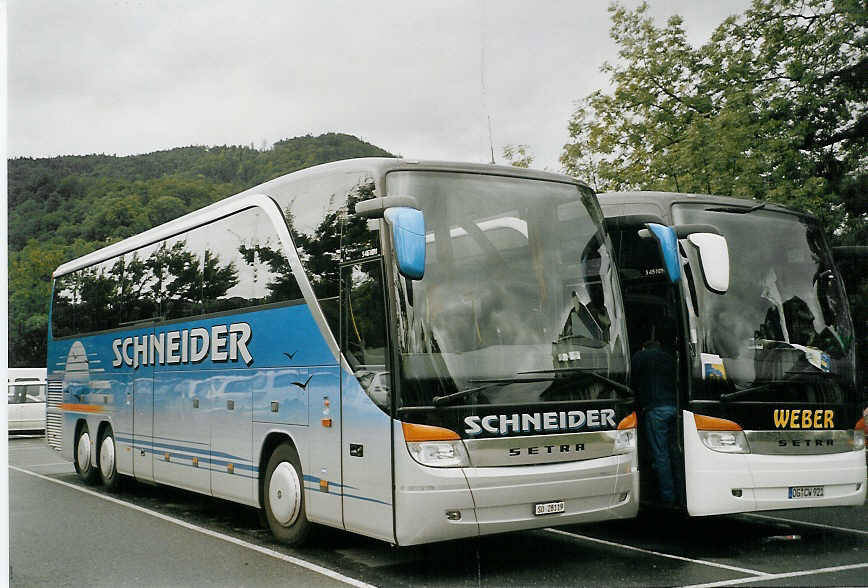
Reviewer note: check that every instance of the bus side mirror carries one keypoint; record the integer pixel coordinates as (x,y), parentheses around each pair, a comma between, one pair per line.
(668,243)
(714,259)
(408,234)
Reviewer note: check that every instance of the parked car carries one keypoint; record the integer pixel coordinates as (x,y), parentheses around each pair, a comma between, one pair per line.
(26,400)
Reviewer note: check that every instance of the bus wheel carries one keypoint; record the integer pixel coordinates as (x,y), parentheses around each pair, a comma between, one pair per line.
(83,464)
(108,469)
(284,496)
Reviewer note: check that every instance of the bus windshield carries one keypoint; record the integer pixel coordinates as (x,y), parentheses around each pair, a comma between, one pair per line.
(520,302)
(782,332)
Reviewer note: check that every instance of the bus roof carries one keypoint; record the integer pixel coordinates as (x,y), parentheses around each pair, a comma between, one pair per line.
(378,167)
(667,199)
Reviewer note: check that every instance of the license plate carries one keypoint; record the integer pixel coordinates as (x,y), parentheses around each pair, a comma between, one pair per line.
(806,491)
(545,508)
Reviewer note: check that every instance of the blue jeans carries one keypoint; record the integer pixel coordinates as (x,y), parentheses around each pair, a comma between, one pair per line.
(659,424)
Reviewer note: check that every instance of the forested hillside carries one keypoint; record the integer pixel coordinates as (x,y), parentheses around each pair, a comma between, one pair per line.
(63,207)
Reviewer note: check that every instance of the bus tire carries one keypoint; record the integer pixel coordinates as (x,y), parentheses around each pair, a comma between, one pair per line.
(107,460)
(84,466)
(283,496)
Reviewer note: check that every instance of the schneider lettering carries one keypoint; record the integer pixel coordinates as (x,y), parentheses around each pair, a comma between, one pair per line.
(573,420)
(221,342)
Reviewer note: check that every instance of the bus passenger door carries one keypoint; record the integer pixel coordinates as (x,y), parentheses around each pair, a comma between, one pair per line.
(366,402)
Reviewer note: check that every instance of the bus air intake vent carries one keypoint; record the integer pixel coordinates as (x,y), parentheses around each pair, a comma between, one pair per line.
(54,430)
(54,393)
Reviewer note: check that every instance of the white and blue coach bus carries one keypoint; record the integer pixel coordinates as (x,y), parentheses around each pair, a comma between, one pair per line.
(411,351)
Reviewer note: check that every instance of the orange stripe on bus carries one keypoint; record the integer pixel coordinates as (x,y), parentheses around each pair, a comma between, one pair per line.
(81,407)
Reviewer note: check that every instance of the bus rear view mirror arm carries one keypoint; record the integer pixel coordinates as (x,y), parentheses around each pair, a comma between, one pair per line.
(684,231)
(713,251)
(667,241)
(376,207)
(408,230)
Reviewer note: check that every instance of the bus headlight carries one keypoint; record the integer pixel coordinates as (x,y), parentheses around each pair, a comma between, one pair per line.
(858,439)
(859,435)
(721,435)
(439,454)
(435,447)
(625,440)
(625,436)
(725,441)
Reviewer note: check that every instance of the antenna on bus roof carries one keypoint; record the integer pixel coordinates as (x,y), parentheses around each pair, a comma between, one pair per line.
(482,82)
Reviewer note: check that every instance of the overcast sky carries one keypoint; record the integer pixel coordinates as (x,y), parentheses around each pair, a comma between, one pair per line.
(415,78)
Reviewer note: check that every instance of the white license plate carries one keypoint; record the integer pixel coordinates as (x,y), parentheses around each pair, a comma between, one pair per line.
(545,508)
(806,491)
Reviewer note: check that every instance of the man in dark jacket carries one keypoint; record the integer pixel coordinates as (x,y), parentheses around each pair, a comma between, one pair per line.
(654,379)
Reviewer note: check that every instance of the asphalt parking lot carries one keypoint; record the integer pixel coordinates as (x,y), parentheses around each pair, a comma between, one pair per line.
(66,533)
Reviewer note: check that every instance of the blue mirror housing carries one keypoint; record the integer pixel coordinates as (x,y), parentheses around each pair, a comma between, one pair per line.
(668,242)
(408,233)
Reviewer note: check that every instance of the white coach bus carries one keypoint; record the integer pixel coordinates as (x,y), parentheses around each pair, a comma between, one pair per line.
(411,351)
(747,299)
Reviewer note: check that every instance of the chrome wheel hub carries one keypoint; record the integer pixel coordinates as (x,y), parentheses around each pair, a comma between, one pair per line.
(83,454)
(107,457)
(284,494)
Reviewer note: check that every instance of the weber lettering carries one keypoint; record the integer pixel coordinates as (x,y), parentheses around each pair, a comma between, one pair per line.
(804,419)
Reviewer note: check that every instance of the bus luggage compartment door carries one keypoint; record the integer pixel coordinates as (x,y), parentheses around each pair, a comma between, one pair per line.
(143,424)
(323,476)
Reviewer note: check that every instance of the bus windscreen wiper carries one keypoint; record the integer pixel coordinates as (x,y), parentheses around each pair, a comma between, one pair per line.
(588,371)
(737,209)
(489,383)
(767,384)
(441,400)
(730,395)
(737,393)
(543,376)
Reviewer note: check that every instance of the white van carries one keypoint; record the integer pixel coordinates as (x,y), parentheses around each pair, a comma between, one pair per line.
(26,400)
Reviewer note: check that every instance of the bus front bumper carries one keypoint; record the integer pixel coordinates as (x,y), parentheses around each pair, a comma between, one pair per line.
(723,483)
(434,504)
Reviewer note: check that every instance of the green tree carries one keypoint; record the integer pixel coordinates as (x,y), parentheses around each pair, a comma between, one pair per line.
(29,295)
(518,155)
(772,107)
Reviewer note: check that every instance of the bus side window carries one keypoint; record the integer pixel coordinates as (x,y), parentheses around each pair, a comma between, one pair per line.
(141,286)
(318,215)
(63,306)
(363,332)
(182,283)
